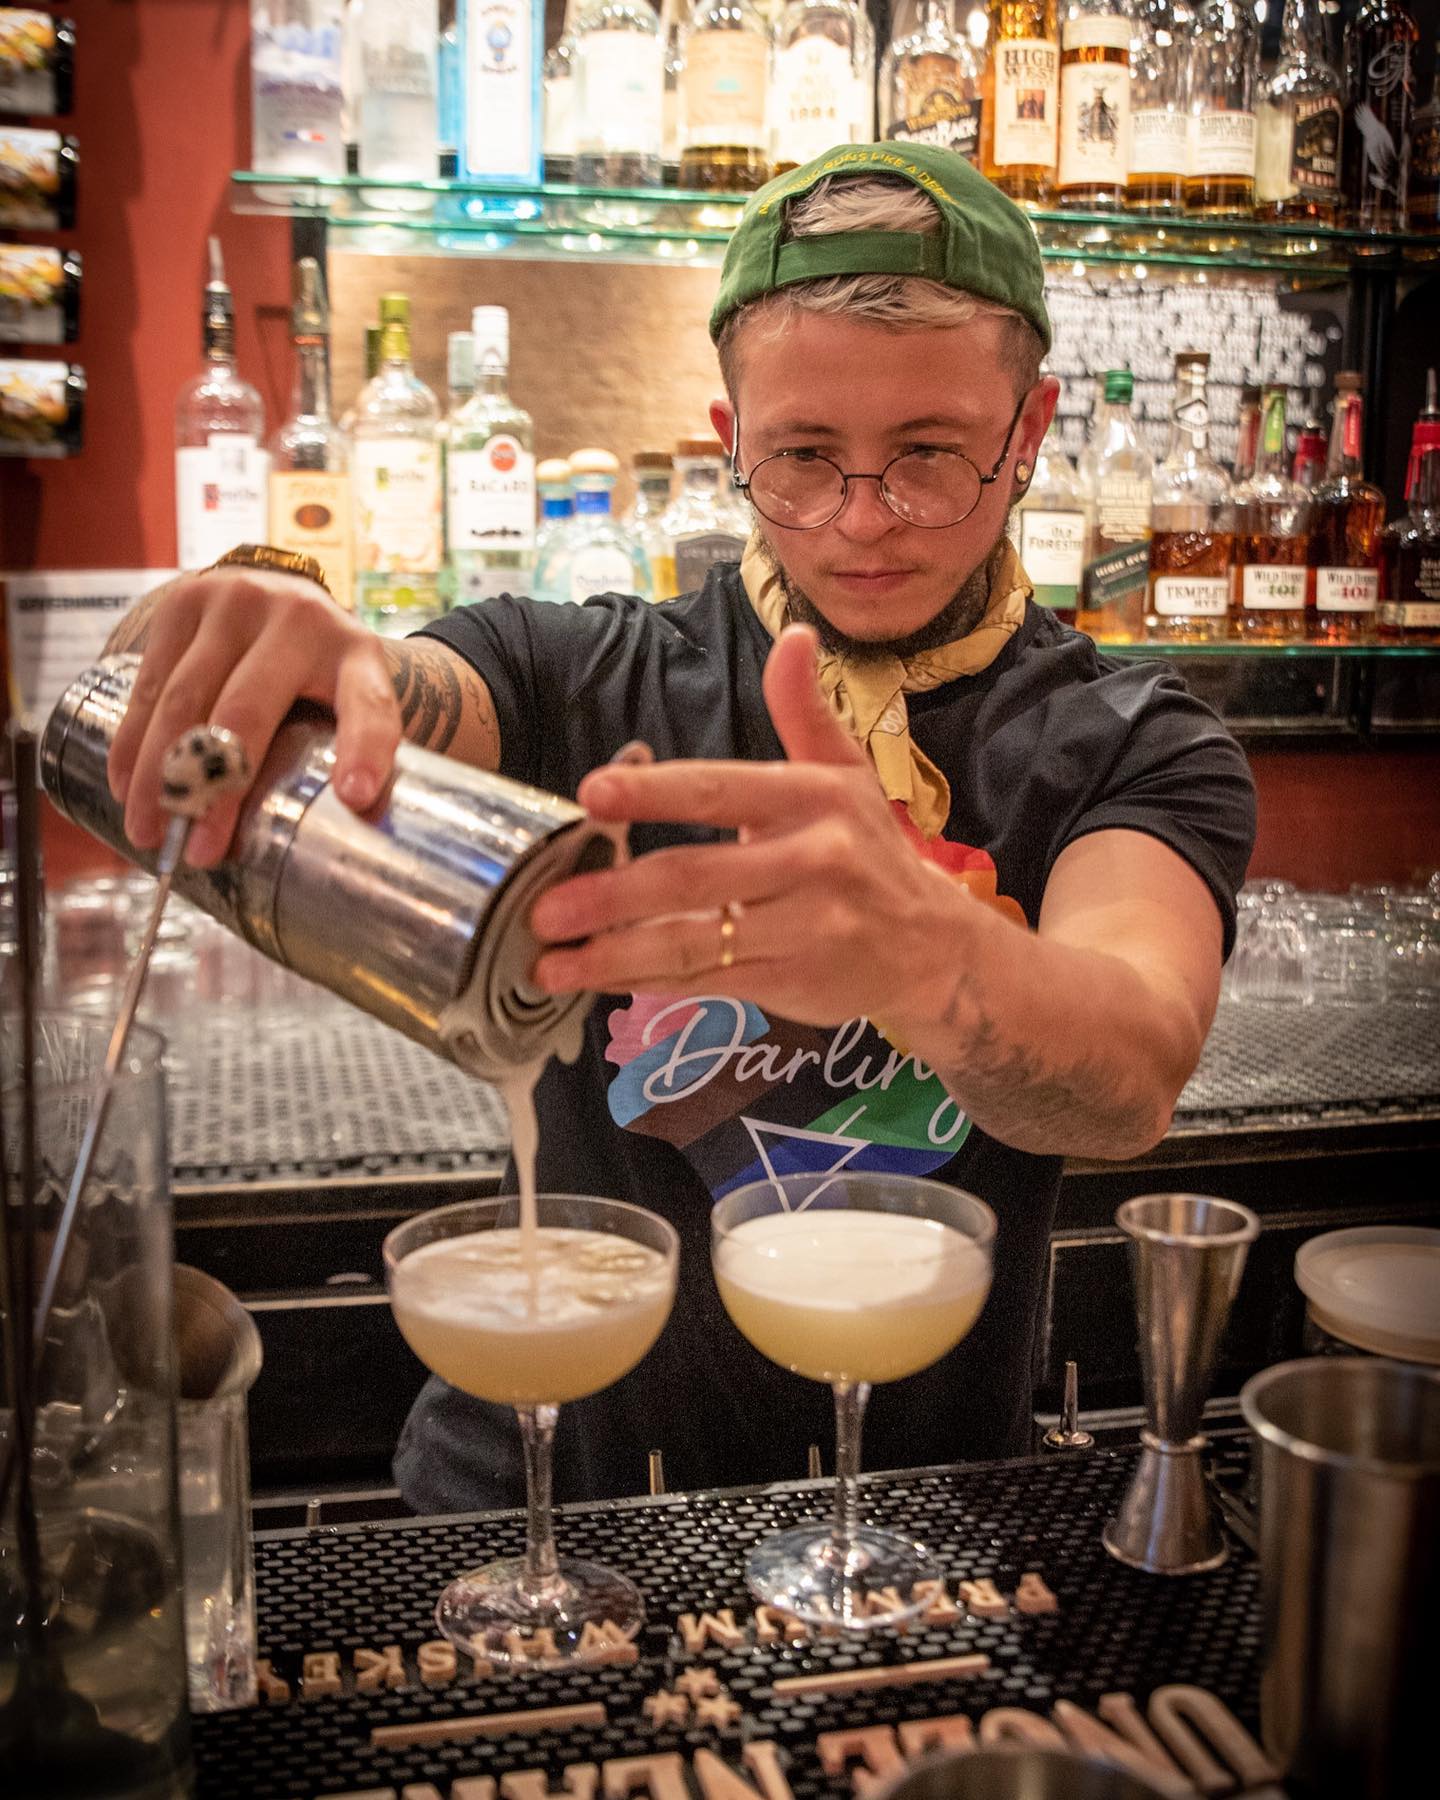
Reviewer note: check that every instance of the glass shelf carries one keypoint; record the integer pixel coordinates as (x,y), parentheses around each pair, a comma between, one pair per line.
(670,225)
(1235,650)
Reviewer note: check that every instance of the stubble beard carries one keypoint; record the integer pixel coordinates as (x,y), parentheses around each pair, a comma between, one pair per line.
(959,616)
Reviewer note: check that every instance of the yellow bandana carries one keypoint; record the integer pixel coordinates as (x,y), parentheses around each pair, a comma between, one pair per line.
(868,696)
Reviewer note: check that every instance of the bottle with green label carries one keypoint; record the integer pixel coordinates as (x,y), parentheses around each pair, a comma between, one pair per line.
(1052,526)
(1117,563)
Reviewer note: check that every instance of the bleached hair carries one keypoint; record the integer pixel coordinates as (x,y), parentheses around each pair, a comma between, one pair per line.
(899,302)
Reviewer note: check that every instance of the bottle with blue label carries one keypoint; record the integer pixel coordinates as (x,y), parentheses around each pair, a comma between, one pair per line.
(502,49)
(557,499)
(593,553)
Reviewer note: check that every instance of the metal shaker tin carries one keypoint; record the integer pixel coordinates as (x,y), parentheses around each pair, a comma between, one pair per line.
(416,912)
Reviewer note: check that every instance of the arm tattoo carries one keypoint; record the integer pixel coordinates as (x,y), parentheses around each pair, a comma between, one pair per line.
(427,686)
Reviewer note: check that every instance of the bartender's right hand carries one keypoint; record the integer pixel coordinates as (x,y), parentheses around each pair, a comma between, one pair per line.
(238,647)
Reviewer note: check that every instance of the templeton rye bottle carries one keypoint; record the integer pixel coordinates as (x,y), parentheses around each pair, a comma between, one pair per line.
(1191,521)
(1019,124)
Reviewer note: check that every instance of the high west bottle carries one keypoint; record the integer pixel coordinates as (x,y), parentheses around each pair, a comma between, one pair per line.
(1018,123)
(1224,77)
(1411,578)
(1379,95)
(1346,516)
(1159,108)
(1297,159)
(1119,472)
(1191,521)
(1271,537)
(1094,102)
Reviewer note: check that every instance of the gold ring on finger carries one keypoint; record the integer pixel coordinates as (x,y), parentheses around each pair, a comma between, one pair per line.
(729,913)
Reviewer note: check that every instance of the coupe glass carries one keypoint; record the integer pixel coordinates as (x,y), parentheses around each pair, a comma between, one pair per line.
(532,1333)
(849,1279)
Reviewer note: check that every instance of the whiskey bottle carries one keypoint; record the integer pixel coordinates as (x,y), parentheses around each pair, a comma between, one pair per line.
(1159,119)
(724,134)
(930,80)
(1053,521)
(822,80)
(1094,102)
(1379,95)
(1308,468)
(1425,434)
(1224,76)
(1120,473)
(1191,521)
(1410,579)
(1271,538)
(1423,203)
(1346,515)
(1247,441)
(1018,122)
(1298,125)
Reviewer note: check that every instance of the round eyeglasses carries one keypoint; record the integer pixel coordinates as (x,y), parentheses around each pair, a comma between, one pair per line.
(933,487)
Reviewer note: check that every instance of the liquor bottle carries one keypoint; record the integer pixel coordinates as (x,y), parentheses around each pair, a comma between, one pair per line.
(722,97)
(1425,435)
(1159,108)
(449,89)
(557,499)
(619,95)
(558,85)
(490,474)
(822,79)
(1018,121)
(220,467)
(1054,519)
(1119,472)
(459,374)
(1298,125)
(1423,201)
(1272,513)
(1379,57)
(395,469)
(295,89)
(398,126)
(705,523)
(1224,77)
(310,508)
(1192,521)
(1094,102)
(930,80)
(652,471)
(673,14)
(502,43)
(372,369)
(593,553)
(1308,468)
(1346,515)
(1247,440)
(1410,610)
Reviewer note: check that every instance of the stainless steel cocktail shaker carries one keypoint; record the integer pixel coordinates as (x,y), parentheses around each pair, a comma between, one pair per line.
(417,911)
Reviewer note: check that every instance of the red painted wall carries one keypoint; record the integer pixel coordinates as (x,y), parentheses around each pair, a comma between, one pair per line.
(162,114)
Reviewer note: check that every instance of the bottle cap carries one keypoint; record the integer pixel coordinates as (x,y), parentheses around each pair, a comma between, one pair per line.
(553,472)
(394,309)
(707,447)
(460,359)
(1348,381)
(1193,359)
(658,462)
(1119,387)
(594,462)
(491,326)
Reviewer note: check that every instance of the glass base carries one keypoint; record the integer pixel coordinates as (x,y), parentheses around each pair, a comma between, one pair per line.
(873,1586)
(493,1612)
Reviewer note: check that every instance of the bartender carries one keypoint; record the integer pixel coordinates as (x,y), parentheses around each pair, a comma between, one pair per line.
(923,881)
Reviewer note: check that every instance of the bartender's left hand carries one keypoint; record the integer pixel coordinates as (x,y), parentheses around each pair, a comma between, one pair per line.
(835,913)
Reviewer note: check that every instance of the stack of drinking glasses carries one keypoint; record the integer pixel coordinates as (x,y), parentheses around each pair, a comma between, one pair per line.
(1370,947)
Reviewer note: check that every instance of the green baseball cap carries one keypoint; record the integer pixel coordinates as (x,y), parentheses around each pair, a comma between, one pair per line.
(985,243)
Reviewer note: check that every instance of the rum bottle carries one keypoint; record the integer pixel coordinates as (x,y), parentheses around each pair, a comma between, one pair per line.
(1423,203)
(930,85)
(1411,578)
(1112,597)
(1224,77)
(1298,121)
(1346,516)
(1159,116)
(1379,94)
(1094,102)
(1191,521)
(1021,91)
(490,474)
(1271,538)
(724,132)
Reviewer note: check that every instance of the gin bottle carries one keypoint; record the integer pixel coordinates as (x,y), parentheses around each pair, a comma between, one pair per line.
(1094,102)
(1272,514)
(1298,120)
(220,467)
(1119,471)
(1224,79)
(930,81)
(1053,520)
(399,126)
(619,95)
(503,46)
(1192,521)
(395,463)
(490,474)
(459,374)
(822,78)
(1159,108)
(296,89)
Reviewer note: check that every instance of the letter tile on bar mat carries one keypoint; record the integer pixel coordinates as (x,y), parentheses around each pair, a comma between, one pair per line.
(328,1593)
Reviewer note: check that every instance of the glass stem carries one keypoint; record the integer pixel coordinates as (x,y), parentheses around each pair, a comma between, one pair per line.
(850,1398)
(537,1435)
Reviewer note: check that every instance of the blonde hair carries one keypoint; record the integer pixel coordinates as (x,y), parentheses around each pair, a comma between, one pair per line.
(898,302)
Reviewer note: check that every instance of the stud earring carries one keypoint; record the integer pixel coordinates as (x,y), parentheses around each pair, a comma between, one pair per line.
(1023,472)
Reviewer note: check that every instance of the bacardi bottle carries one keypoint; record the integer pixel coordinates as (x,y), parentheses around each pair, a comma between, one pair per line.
(1019,138)
(1271,538)
(1298,122)
(1410,610)
(1094,102)
(1224,77)
(822,79)
(490,474)
(1192,521)
(1159,108)
(1053,521)
(1346,516)
(723,124)
(930,85)
(1379,95)
(1121,473)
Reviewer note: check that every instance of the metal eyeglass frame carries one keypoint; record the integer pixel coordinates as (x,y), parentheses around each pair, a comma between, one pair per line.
(741,483)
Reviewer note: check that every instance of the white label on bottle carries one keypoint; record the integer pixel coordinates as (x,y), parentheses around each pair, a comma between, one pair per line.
(1122,507)
(310,513)
(1347,590)
(296,84)
(620,87)
(600,569)
(1159,142)
(1027,85)
(1052,548)
(559,138)
(1098,31)
(219,497)
(397,506)
(814,99)
(722,89)
(1265,587)
(1094,124)
(1222,143)
(1192,596)
(499,90)
(1414,615)
(491,496)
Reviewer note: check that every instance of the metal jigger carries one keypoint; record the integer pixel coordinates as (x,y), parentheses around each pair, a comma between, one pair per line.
(1187,1253)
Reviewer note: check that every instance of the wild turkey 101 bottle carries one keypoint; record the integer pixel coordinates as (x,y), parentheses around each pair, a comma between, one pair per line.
(1346,517)
(1019,117)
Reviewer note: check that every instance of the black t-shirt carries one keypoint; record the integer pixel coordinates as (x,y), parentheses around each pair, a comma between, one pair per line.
(672,1104)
